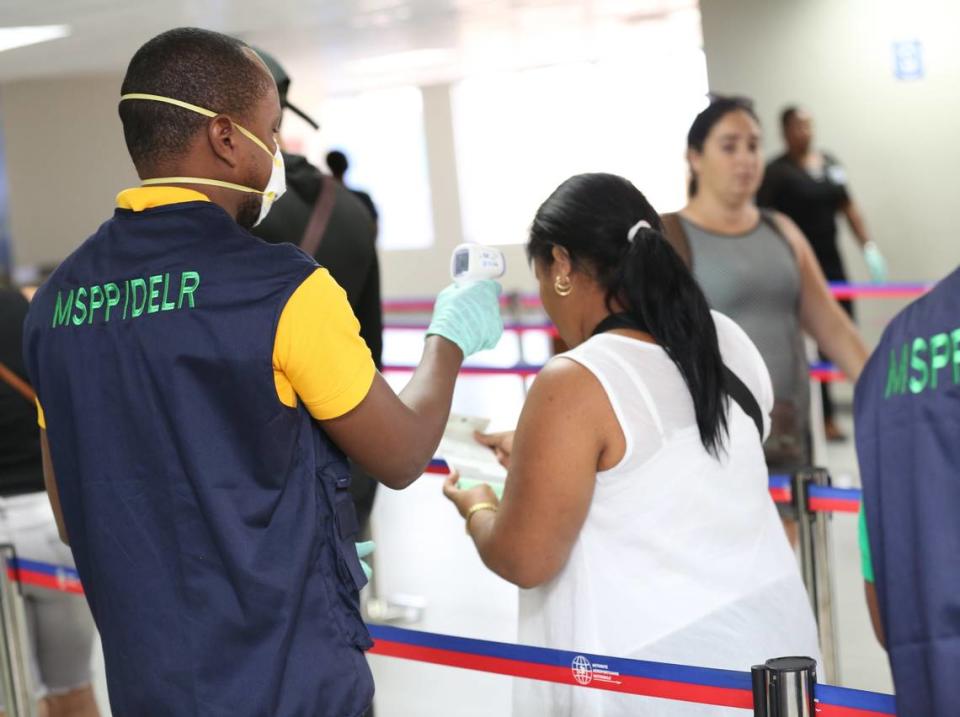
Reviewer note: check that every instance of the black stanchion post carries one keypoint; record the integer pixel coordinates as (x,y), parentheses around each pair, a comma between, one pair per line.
(816,565)
(784,687)
(14,660)
(761,701)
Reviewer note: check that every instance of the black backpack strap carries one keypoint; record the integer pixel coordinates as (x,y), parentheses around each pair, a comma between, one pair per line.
(738,391)
(735,388)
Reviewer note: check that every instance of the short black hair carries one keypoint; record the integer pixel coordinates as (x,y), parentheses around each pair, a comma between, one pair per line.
(787,115)
(198,66)
(337,163)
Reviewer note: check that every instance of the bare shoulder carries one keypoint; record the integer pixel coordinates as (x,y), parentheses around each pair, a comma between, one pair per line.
(565,375)
(568,411)
(568,383)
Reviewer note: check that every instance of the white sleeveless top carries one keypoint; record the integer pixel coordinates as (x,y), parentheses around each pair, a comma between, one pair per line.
(682,557)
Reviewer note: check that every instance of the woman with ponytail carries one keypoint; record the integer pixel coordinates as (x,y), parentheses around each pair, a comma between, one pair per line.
(636,514)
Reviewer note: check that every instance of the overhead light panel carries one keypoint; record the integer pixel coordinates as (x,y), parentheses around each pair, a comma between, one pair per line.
(11,37)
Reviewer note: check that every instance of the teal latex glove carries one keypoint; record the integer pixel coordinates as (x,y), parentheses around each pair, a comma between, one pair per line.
(876,264)
(363,550)
(469,316)
(467,484)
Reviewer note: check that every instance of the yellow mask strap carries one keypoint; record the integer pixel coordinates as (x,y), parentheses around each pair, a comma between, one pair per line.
(200,180)
(200,111)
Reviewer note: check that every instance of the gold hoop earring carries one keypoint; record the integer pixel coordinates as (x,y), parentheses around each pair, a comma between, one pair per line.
(563,286)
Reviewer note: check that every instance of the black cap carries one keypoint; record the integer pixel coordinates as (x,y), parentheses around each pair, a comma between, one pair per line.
(283,84)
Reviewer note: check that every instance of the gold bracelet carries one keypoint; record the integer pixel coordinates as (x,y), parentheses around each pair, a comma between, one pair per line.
(476,507)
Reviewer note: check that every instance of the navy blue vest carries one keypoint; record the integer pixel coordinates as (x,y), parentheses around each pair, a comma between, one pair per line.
(211,524)
(907,408)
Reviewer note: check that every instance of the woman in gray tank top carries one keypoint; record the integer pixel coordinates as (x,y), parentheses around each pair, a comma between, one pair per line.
(757,267)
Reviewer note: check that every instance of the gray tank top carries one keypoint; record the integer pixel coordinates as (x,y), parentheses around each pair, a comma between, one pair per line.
(753,278)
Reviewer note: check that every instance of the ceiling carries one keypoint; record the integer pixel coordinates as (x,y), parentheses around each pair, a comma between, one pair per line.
(357,43)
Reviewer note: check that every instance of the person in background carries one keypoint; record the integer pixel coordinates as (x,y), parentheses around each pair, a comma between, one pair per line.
(338,165)
(60,628)
(636,513)
(757,267)
(810,186)
(907,420)
(346,247)
(200,391)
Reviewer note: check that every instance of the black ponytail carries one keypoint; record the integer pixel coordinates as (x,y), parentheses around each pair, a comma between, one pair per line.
(590,216)
(660,290)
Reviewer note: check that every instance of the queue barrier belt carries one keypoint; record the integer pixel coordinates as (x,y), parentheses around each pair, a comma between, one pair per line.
(823,372)
(840,290)
(820,499)
(721,688)
(44,575)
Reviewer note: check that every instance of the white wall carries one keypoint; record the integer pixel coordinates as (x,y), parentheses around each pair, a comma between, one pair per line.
(66,161)
(898,139)
(425,272)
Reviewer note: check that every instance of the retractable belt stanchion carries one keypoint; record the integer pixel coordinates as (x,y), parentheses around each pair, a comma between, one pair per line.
(17,683)
(784,687)
(815,561)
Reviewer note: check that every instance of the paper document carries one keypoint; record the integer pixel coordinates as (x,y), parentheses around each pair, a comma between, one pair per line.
(474,463)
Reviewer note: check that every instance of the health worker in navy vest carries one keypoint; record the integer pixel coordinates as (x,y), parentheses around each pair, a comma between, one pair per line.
(198,417)
(907,418)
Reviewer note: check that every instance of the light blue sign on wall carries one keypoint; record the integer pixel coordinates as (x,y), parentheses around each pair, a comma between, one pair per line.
(908,60)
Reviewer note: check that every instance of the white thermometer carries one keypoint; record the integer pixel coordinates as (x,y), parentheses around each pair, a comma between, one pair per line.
(473,262)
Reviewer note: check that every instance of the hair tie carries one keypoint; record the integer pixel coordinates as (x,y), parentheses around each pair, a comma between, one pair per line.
(632,234)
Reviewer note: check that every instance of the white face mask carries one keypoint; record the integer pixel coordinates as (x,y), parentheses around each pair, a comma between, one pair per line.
(276,185)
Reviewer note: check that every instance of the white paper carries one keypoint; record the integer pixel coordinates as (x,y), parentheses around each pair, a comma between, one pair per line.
(463,454)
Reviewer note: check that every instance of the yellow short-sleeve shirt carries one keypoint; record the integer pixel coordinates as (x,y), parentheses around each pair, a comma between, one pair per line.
(318,353)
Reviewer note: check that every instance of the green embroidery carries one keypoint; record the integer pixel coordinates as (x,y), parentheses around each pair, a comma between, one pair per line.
(96,300)
(919,364)
(80,308)
(939,355)
(155,280)
(955,340)
(61,312)
(189,281)
(151,295)
(897,375)
(113,298)
(135,284)
(166,305)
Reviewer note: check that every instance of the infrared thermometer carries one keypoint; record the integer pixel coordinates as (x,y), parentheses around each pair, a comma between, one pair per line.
(471,263)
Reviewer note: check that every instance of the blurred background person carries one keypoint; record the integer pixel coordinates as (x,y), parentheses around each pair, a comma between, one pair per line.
(758,268)
(60,627)
(328,221)
(810,186)
(338,164)
(636,511)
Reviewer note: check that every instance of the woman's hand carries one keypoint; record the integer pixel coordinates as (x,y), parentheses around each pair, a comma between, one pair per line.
(500,443)
(466,499)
